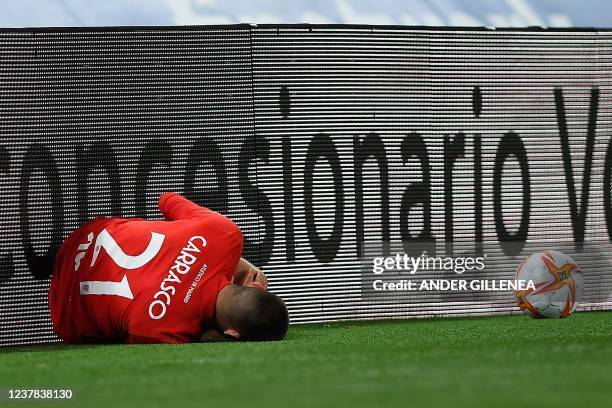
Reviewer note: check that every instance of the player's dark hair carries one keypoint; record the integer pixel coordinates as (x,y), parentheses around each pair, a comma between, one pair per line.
(261,315)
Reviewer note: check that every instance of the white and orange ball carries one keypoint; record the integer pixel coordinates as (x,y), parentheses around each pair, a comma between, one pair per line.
(558,285)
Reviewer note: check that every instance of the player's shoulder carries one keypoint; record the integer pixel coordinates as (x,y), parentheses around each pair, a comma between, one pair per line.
(215,229)
(227,227)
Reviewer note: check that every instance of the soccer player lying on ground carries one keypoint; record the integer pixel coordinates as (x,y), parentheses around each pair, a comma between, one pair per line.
(174,281)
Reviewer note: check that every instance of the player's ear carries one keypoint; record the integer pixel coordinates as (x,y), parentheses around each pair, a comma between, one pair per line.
(232,333)
(256,285)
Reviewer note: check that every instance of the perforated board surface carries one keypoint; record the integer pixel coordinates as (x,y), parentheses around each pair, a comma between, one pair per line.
(314,140)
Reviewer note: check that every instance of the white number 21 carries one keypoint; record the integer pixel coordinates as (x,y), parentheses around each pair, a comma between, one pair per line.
(106,241)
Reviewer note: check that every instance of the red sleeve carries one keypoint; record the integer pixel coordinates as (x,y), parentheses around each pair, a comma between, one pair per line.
(176,207)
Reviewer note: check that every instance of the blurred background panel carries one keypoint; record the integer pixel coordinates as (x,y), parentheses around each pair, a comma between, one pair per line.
(498,13)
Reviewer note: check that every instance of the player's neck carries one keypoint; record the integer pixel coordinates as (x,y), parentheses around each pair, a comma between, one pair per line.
(224,298)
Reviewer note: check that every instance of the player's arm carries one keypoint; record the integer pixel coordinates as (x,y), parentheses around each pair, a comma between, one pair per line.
(247,274)
(176,207)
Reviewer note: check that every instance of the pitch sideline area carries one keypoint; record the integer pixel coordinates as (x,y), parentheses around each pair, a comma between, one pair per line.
(488,361)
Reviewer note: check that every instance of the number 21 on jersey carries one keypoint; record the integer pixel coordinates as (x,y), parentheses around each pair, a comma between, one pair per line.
(105,241)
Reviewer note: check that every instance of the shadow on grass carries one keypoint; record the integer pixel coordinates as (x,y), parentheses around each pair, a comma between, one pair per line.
(306,331)
(403,321)
(49,347)
(299,331)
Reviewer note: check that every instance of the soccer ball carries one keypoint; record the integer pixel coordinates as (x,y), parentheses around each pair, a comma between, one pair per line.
(558,285)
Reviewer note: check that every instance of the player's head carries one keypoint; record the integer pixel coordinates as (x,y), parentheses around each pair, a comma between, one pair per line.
(250,313)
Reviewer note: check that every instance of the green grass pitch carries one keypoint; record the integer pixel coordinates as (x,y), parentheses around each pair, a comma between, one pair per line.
(508,361)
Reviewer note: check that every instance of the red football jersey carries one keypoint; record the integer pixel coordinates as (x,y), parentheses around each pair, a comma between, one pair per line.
(137,281)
